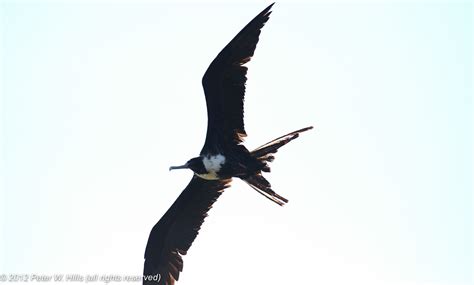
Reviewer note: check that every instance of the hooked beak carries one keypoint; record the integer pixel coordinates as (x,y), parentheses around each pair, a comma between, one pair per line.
(184,166)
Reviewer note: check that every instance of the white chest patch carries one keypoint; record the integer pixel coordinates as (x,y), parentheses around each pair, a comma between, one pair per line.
(212,164)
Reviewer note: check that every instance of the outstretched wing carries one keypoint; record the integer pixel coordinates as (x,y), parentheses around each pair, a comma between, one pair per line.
(174,233)
(224,85)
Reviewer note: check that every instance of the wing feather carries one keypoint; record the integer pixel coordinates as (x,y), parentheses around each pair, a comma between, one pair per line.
(175,232)
(224,85)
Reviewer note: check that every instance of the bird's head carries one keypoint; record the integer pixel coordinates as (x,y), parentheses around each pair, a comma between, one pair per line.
(195,164)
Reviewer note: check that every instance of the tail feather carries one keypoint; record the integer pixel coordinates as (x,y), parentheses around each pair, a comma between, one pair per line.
(262,186)
(264,154)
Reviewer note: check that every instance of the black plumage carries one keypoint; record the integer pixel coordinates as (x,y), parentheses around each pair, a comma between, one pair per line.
(221,158)
(172,236)
(224,85)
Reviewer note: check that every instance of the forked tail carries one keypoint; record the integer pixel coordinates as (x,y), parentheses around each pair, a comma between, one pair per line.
(264,154)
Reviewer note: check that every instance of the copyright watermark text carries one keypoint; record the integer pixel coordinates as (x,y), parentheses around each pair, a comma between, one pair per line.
(76,278)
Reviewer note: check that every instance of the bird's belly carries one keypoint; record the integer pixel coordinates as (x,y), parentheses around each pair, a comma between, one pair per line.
(208,176)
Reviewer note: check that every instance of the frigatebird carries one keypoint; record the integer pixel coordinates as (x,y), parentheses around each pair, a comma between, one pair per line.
(222,157)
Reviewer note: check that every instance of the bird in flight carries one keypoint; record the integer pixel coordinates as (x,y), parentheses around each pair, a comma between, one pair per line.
(222,157)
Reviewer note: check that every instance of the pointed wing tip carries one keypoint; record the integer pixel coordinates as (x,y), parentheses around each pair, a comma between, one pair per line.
(265,14)
(266,11)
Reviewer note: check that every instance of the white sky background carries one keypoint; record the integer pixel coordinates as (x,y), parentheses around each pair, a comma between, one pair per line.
(98,100)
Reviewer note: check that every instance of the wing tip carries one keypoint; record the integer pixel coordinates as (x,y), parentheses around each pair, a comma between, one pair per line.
(266,12)
(269,6)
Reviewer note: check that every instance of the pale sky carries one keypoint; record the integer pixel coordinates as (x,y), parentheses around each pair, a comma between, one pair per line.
(99,99)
